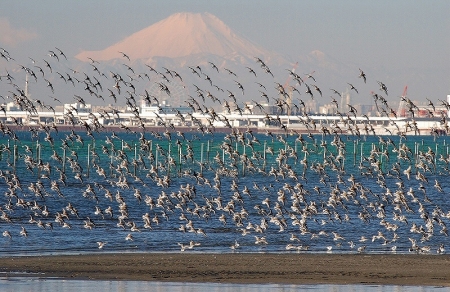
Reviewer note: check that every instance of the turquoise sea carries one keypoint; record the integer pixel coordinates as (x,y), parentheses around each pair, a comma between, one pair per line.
(246,192)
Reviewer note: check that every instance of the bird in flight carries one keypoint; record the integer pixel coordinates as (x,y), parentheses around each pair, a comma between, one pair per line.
(362,75)
(125,55)
(353,87)
(61,53)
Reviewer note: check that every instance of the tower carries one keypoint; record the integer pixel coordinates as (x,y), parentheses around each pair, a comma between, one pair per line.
(345,100)
(448,100)
(289,89)
(27,93)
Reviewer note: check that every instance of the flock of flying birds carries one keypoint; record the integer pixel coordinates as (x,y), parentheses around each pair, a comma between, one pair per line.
(301,196)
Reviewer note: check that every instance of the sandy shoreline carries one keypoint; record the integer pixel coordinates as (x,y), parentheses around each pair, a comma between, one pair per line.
(421,270)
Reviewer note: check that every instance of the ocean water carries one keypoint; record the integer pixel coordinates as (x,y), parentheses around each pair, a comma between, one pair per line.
(18,284)
(321,200)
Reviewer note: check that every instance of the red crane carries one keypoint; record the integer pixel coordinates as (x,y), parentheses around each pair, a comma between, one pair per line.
(401,112)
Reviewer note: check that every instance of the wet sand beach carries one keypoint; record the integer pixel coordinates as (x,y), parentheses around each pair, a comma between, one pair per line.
(422,270)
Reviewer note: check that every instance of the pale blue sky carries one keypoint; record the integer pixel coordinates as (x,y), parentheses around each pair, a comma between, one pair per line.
(398,35)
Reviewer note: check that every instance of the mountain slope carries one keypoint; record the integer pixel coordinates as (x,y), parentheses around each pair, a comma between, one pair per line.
(180,35)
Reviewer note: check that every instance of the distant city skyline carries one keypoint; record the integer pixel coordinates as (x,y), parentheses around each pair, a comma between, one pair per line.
(406,40)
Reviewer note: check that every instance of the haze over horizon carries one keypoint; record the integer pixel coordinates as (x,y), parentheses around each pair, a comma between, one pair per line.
(399,43)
